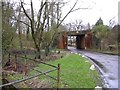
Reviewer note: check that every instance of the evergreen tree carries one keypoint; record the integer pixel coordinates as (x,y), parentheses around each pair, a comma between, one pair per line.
(99,22)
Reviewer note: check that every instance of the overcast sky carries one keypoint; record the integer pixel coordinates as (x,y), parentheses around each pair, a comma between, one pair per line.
(106,9)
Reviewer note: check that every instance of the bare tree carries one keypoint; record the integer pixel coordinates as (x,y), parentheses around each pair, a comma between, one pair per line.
(8,28)
(19,27)
(48,17)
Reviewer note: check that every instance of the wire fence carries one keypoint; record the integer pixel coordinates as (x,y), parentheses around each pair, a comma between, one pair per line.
(21,64)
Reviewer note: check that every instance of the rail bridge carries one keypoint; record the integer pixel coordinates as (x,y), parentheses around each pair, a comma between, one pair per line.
(82,39)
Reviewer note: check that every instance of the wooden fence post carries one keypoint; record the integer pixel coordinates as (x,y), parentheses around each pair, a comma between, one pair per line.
(58,78)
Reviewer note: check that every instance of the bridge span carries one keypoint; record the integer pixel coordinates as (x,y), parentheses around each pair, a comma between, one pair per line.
(82,40)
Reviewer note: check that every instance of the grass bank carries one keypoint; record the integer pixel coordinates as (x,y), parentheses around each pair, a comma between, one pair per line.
(75,72)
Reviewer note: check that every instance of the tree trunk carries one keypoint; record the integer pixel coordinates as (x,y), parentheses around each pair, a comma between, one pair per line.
(38,54)
(47,51)
(19,30)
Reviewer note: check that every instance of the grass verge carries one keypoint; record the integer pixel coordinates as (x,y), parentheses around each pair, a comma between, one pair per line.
(75,72)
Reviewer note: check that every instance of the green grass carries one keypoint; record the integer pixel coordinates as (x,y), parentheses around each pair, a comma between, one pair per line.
(75,72)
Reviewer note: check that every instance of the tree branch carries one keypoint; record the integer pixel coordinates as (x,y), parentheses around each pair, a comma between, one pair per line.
(43,24)
(79,9)
(25,11)
(67,14)
(61,22)
(21,21)
(40,13)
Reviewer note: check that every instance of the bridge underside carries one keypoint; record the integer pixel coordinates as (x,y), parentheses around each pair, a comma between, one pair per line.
(83,39)
(80,41)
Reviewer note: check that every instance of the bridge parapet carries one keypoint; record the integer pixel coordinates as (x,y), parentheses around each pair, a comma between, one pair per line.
(75,33)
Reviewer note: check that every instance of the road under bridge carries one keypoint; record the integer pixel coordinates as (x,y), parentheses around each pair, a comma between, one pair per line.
(82,40)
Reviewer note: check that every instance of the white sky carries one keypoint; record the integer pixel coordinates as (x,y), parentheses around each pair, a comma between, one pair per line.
(106,9)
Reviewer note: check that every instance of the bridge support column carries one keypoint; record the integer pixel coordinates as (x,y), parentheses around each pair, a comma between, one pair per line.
(63,41)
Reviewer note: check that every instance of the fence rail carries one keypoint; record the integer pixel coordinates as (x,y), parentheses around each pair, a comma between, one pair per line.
(36,75)
(38,61)
(18,81)
(46,74)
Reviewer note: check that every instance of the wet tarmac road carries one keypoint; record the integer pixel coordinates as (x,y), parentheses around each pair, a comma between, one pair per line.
(108,65)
